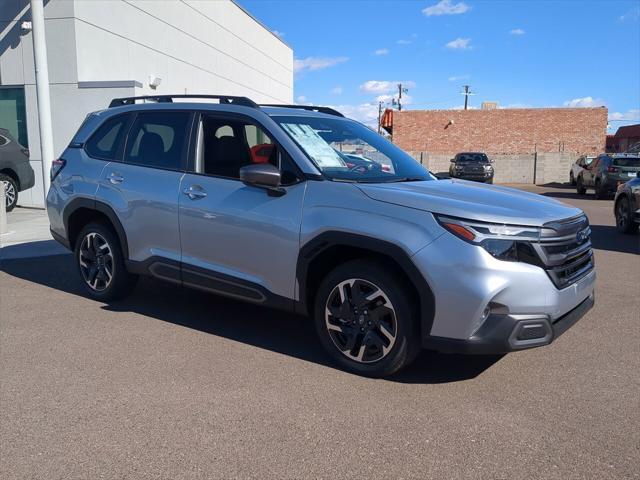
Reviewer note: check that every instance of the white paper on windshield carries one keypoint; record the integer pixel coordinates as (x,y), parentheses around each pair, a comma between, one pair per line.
(315,146)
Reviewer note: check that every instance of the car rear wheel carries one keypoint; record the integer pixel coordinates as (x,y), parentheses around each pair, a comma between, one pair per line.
(580,188)
(364,319)
(10,191)
(101,264)
(572,179)
(599,190)
(624,220)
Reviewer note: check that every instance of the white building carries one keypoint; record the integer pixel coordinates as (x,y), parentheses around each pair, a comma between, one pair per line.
(101,49)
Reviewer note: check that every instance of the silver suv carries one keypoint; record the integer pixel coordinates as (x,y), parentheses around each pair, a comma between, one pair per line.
(267,204)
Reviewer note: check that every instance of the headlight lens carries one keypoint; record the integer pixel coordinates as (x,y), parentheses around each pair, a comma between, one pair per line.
(504,242)
(488,168)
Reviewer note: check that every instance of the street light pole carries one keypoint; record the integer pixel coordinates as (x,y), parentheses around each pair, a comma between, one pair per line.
(42,90)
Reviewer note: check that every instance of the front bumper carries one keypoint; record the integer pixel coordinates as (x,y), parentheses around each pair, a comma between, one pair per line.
(508,333)
(525,308)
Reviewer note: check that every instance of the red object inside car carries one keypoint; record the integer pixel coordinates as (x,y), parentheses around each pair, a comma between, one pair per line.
(261,153)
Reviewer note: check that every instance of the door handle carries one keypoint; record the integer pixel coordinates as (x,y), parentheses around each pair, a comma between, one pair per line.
(195,192)
(115,178)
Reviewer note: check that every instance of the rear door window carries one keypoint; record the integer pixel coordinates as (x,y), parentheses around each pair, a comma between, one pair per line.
(104,143)
(159,140)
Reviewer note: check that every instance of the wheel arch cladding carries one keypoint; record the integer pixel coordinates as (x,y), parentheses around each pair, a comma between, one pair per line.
(81,211)
(13,175)
(324,252)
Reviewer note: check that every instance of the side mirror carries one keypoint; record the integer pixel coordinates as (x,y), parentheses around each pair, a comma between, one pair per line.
(263,175)
(453,160)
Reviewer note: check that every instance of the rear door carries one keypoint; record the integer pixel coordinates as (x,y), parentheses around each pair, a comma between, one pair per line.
(143,186)
(239,240)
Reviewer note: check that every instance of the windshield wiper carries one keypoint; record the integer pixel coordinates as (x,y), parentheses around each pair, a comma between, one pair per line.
(406,179)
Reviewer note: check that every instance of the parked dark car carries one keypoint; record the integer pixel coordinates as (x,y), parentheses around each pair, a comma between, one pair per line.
(626,206)
(474,166)
(607,172)
(16,173)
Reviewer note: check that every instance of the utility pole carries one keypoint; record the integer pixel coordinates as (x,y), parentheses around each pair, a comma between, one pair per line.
(400,92)
(379,114)
(42,90)
(466,94)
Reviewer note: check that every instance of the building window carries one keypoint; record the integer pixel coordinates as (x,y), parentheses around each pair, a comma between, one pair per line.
(13,114)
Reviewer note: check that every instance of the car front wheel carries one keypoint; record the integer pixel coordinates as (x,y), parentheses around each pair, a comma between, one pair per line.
(10,191)
(364,319)
(624,220)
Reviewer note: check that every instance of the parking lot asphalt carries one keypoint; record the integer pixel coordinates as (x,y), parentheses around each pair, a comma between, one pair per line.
(173,383)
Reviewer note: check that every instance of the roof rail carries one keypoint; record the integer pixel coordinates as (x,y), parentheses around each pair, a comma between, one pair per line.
(224,99)
(311,108)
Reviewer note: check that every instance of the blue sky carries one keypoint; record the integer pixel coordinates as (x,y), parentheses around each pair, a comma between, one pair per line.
(547,53)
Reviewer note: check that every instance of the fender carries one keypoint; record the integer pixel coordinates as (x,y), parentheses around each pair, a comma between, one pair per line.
(101,207)
(325,240)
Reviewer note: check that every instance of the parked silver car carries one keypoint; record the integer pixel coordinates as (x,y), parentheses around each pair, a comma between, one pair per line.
(257,203)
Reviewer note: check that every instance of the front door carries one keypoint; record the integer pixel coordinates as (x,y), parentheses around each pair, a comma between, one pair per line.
(239,240)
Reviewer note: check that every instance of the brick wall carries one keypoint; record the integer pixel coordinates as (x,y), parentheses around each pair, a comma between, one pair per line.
(502,131)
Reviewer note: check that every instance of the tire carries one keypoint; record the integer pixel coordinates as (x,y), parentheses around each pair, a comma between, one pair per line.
(599,192)
(10,191)
(381,343)
(624,217)
(572,180)
(580,188)
(100,263)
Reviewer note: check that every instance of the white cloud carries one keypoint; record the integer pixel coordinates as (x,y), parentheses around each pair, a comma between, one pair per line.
(381,51)
(407,41)
(517,31)
(336,90)
(632,115)
(633,14)
(384,86)
(446,7)
(366,113)
(278,33)
(584,102)
(311,64)
(457,78)
(301,99)
(459,44)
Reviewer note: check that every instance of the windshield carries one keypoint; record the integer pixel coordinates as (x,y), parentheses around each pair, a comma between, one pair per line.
(345,150)
(472,158)
(626,161)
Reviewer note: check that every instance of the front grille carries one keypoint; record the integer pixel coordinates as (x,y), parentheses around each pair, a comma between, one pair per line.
(565,250)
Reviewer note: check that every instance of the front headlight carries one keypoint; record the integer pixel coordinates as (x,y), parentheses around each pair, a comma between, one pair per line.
(504,242)
(488,168)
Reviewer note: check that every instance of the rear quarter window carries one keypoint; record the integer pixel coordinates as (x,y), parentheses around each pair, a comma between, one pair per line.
(104,143)
(627,162)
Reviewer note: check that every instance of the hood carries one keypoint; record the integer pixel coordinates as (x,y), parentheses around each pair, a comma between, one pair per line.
(475,201)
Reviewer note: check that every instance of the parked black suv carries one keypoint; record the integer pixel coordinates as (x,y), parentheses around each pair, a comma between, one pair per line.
(15,171)
(472,166)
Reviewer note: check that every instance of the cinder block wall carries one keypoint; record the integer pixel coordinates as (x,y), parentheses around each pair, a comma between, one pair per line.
(518,168)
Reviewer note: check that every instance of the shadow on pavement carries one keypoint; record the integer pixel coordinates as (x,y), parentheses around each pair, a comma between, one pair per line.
(273,330)
(605,237)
